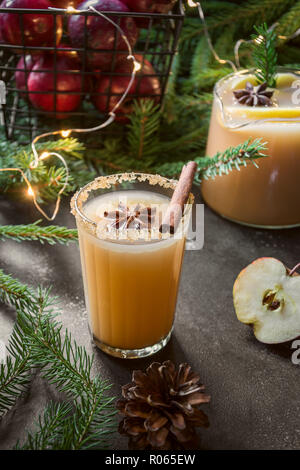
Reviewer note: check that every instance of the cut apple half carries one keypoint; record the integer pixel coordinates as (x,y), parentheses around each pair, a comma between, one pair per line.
(267,296)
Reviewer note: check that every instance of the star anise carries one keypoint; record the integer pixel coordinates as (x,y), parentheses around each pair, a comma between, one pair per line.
(123,217)
(254,96)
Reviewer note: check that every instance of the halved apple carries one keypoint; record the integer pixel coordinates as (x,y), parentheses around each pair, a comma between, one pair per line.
(266,295)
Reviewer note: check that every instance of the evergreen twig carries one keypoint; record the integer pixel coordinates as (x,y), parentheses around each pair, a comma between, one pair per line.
(221,163)
(51,234)
(143,129)
(265,55)
(14,293)
(232,158)
(38,341)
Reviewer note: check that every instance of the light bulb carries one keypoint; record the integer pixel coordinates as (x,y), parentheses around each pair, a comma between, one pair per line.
(137,66)
(71,10)
(66,133)
(30,191)
(259,39)
(191,4)
(44,155)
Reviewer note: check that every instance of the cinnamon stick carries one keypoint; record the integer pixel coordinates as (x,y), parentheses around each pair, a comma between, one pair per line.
(179,199)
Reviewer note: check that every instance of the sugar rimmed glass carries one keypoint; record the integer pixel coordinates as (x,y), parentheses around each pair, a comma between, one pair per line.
(130,286)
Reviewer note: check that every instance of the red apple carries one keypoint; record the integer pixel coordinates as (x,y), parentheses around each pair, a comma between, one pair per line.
(38,28)
(65,3)
(44,82)
(25,65)
(70,60)
(143,86)
(1,34)
(149,6)
(100,33)
(140,6)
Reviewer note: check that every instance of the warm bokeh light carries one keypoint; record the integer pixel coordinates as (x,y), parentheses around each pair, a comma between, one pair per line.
(71,10)
(137,66)
(191,4)
(66,133)
(44,155)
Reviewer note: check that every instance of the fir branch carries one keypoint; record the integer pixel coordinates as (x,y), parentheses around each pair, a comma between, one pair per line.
(38,341)
(221,163)
(143,128)
(92,421)
(232,158)
(265,55)
(50,426)
(15,372)
(51,234)
(78,427)
(68,366)
(289,22)
(14,293)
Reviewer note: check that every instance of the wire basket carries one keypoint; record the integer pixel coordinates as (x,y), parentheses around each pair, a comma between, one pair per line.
(23,119)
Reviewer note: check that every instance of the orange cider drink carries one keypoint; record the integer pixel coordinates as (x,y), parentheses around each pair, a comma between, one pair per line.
(130,270)
(267,197)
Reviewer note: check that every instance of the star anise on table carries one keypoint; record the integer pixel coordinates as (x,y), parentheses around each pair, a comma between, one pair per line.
(137,218)
(254,96)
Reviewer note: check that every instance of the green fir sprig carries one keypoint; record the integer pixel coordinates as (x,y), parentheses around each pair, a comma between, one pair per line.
(231,159)
(265,55)
(35,232)
(223,162)
(38,340)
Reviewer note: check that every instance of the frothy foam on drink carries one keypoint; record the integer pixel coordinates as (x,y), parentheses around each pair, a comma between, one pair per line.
(128,215)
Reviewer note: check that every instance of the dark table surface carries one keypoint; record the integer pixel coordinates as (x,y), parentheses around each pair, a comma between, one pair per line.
(254,387)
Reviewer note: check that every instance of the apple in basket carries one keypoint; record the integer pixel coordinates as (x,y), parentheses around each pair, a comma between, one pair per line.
(149,6)
(24,67)
(146,84)
(42,80)
(30,29)
(101,34)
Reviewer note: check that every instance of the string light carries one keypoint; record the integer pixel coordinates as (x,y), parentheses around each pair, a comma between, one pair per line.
(257,40)
(136,66)
(209,42)
(238,44)
(66,134)
(71,10)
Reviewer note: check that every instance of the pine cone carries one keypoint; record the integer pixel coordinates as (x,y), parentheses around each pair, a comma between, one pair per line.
(161,408)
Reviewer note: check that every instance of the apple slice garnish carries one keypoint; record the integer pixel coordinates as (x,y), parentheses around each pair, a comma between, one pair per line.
(267,295)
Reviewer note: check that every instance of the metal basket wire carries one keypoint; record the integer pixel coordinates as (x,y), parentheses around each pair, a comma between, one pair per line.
(157,43)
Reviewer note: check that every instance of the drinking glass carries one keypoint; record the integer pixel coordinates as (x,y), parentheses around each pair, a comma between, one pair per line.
(269,196)
(130,286)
